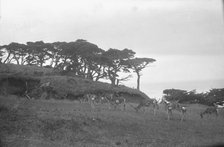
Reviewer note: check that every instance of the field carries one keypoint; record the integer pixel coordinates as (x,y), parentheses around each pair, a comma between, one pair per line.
(51,123)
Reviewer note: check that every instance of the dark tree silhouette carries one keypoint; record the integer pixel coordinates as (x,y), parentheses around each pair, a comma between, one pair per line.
(15,52)
(38,52)
(117,61)
(79,58)
(54,52)
(207,98)
(174,94)
(89,56)
(1,54)
(7,52)
(138,64)
(214,95)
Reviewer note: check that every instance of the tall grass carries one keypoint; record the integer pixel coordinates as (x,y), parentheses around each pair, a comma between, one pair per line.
(67,123)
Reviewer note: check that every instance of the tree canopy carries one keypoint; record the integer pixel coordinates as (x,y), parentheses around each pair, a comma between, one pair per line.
(137,65)
(80,57)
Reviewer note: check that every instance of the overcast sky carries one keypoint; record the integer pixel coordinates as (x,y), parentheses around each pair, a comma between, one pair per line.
(186,37)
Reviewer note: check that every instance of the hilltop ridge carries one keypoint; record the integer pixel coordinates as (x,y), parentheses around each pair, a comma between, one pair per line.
(18,79)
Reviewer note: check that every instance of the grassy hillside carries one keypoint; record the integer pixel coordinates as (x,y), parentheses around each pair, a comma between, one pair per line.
(65,123)
(14,77)
(50,123)
(25,70)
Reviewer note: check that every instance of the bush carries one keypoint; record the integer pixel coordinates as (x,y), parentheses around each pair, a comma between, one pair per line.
(208,98)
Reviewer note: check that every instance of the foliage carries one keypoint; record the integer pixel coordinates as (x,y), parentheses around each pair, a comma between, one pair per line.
(117,61)
(208,98)
(39,52)
(80,57)
(137,65)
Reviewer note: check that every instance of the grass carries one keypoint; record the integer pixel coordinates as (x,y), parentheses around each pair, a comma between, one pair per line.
(25,69)
(61,85)
(69,123)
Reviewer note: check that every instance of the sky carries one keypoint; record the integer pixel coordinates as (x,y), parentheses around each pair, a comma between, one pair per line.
(186,37)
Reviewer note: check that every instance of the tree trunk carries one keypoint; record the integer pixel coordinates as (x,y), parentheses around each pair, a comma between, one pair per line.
(113,81)
(7,58)
(117,83)
(41,63)
(138,81)
(17,60)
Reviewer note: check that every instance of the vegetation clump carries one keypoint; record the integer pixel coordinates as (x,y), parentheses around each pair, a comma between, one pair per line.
(207,98)
(78,58)
(26,83)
